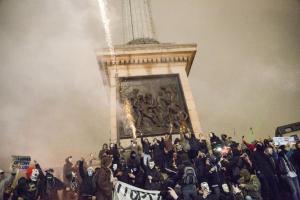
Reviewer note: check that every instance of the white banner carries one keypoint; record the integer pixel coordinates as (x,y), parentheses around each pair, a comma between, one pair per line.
(283,140)
(129,192)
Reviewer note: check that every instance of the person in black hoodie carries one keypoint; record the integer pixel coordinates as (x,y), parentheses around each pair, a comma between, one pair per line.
(114,153)
(186,177)
(288,173)
(194,144)
(52,185)
(31,187)
(153,178)
(121,173)
(296,159)
(200,167)
(135,172)
(87,190)
(214,175)
(266,169)
(157,152)
(214,140)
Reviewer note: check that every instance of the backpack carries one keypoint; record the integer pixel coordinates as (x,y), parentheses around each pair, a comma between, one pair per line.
(189,176)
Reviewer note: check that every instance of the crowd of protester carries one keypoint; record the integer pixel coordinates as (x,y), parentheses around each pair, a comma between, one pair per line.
(185,168)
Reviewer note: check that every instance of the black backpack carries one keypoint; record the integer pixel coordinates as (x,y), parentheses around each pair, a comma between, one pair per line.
(189,176)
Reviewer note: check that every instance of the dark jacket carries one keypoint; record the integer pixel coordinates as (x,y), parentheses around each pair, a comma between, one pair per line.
(67,172)
(28,189)
(296,159)
(264,164)
(122,173)
(200,169)
(104,185)
(284,165)
(86,186)
(155,182)
(146,146)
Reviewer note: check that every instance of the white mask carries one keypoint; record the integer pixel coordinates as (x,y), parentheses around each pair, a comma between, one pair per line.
(204,186)
(115,166)
(70,159)
(151,165)
(34,175)
(225,188)
(90,171)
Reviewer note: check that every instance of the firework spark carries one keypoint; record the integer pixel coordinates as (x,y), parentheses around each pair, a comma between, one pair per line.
(129,117)
(106,23)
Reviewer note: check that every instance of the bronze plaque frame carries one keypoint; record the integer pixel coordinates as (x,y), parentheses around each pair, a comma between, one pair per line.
(150,104)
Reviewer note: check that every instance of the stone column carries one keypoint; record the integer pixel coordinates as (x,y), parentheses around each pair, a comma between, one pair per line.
(138,27)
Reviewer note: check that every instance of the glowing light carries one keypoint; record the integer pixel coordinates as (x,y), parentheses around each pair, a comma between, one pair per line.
(129,117)
(106,24)
(108,37)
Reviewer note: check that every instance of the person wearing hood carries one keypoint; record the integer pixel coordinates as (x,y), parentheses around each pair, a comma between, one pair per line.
(214,175)
(250,185)
(135,173)
(157,152)
(133,160)
(67,171)
(52,185)
(266,170)
(186,177)
(194,146)
(31,186)
(86,188)
(200,167)
(214,140)
(6,182)
(114,153)
(120,171)
(153,177)
(288,173)
(104,181)
(103,151)
(295,158)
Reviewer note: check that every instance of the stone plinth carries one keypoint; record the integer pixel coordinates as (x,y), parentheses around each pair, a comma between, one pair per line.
(148,60)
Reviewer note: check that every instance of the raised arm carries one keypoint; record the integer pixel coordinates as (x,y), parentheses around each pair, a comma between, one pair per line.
(81,170)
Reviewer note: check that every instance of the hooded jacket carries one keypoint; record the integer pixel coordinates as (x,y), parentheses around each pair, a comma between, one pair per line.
(86,186)
(103,183)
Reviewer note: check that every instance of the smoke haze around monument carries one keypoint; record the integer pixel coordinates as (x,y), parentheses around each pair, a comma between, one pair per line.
(53,101)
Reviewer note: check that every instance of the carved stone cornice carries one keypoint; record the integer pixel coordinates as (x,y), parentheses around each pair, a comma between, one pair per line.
(147,54)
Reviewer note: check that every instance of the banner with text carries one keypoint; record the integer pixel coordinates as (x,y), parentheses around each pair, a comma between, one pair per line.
(124,191)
